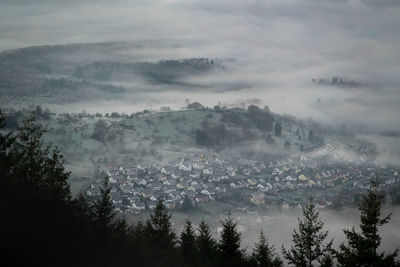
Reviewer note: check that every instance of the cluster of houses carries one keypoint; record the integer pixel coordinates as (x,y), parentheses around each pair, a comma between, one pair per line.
(247,186)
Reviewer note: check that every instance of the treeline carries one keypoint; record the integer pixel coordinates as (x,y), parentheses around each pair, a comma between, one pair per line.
(43,225)
(219,136)
(255,123)
(164,71)
(15,117)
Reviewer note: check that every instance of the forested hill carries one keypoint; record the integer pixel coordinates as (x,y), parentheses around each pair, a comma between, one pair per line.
(89,71)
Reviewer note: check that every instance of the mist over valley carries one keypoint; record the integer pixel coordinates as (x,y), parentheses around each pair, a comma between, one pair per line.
(241,114)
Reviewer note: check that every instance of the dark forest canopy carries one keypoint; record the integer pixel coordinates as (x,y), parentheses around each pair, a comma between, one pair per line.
(44,225)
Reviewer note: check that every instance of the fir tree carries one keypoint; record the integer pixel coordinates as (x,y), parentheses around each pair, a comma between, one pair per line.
(162,238)
(187,205)
(278,129)
(104,210)
(104,225)
(140,245)
(161,226)
(121,244)
(122,232)
(230,253)
(308,247)
(38,169)
(6,157)
(34,185)
(362,247)
(206,245)
(187,244)
(264,254)
(310,136)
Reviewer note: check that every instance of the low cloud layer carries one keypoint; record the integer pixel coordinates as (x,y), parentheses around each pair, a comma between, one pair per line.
(271,49)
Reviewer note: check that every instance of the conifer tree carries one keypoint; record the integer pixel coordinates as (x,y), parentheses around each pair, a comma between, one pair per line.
(104,225)
(188,245)
(140,244)
(37,169)
(308,248)
(264,254)
(104,210)
(161,226)
(162,238)
(206,245)
(362,247)
(278,129)
(121,243)
(187,205)
(310,136)
(122,231)
(6,156)
(230,253)
(42,222)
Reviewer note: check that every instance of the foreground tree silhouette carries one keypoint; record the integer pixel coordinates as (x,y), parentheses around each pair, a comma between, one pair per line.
(264,254)
(230,253)
(33,166)
(206,245)
(162,238)
(42,224)
(110,233)
(104,211)
(362,247)
(188,245)
(308,247)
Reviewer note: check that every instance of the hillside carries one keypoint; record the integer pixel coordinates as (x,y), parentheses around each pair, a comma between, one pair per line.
(166,137)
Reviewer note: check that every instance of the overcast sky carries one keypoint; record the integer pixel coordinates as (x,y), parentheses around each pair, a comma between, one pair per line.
(355,37)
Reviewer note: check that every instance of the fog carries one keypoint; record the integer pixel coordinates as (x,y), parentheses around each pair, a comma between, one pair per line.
(277,47)
(278,226)
(268,51)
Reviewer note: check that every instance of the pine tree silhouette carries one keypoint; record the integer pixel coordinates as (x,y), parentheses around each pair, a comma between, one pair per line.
(42,222)
(162,238)
(264,253)
(188,245)
(230,253)
(362,247)
(104,210)
(206,245)
(308,247)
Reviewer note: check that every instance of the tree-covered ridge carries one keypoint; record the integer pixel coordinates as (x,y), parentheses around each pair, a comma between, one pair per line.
(58,230)
(163,71)
(90,71)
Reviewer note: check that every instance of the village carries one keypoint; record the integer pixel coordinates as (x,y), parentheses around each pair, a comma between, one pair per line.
(249,187)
